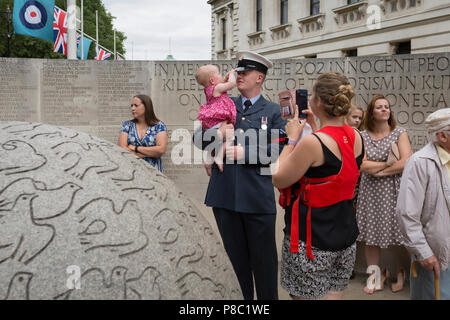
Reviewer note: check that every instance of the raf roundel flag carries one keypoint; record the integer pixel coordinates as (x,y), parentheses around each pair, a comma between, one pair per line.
(34,18)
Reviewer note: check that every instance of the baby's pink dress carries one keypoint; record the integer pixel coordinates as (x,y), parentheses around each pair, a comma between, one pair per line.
(216,109)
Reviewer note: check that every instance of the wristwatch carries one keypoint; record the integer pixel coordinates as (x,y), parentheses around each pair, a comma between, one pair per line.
(136,149)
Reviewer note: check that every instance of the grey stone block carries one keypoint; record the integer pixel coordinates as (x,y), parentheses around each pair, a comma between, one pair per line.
(81,218)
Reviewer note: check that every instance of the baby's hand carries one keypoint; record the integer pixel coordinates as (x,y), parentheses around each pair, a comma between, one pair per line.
(229,82)
(230,76)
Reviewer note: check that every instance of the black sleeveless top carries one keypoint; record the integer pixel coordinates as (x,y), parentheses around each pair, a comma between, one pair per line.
(333,228)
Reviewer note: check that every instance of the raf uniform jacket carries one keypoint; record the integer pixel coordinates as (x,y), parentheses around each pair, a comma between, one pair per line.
(246,185)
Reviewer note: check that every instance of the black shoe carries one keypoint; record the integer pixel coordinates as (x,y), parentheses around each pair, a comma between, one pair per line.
(352,276)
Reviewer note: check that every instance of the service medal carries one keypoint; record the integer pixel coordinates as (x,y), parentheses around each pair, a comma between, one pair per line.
(264,123)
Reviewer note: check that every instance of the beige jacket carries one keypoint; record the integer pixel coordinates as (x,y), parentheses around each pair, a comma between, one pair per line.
(423,206)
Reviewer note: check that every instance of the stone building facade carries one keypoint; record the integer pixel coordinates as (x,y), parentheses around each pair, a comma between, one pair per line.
(332,28)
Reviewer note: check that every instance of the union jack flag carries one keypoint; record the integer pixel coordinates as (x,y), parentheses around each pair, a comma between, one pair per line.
(101,54)
(60,31)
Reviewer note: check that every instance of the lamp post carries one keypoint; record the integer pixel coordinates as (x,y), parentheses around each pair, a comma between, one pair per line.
(8,35)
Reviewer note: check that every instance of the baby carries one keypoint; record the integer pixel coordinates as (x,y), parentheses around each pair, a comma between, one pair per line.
(218,108)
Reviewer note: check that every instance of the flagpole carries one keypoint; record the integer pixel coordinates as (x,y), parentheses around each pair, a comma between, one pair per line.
(82,32)
(8,18)
(115,54)
(71,32)
(96,31)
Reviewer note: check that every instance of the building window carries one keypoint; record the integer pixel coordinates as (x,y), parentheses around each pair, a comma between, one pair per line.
(403,47)
(394,6)
(352,1)
(351,53)
(412,3)
(314,7)
(224,34)
(283,11)
(258,15)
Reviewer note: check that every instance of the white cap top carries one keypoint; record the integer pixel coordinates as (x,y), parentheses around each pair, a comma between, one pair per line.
(249,60)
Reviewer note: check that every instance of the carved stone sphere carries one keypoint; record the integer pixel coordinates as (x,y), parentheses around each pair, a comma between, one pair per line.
(81,218)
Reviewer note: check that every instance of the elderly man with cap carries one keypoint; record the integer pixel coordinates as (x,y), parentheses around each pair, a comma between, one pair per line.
(423,209)
(242,196)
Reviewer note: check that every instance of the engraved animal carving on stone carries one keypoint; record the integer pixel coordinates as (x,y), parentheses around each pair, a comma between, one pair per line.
(167,236)
(12,160)
(145,286)
(22,129)
(19,286)
(44,205)
(132,187)
(102,227)
(194,255)
(22,238)
(96,286)
(54,135)
(76,154)
(192,283)
(131,183)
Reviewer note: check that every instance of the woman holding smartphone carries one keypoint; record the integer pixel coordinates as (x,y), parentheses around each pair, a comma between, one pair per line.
(319,246)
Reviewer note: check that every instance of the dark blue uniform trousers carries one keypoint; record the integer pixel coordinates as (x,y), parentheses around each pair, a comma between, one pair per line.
(249,240)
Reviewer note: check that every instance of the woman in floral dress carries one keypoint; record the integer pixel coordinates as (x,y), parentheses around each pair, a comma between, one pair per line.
(145,135)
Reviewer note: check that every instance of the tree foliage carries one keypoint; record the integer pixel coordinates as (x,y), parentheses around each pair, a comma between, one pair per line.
(29,47)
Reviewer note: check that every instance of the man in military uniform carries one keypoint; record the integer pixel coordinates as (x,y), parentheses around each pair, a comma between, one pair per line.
(242,196)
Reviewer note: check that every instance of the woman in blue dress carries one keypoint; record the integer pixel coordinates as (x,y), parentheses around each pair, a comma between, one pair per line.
(145,135)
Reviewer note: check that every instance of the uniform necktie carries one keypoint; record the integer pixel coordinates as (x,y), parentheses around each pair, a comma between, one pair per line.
(247,105)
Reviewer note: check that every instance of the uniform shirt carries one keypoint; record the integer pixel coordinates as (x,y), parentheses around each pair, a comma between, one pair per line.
(444,156)
(252,100)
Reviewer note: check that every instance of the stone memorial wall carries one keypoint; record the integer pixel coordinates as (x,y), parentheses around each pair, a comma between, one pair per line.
(94,97)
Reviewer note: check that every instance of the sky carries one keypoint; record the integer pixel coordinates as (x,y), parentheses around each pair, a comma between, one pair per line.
(149,24)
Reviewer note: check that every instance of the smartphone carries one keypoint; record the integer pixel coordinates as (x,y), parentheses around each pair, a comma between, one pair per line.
(287,104)
(301,98)
(290,98)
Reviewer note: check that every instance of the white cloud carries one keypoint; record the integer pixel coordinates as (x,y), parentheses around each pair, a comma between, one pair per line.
(148,25)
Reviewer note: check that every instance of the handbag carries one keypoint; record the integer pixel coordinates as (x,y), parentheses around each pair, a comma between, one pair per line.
(394,155)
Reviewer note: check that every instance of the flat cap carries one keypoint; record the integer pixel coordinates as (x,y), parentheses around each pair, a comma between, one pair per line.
(438,120)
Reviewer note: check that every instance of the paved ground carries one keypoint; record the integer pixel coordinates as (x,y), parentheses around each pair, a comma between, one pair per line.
(355,291)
